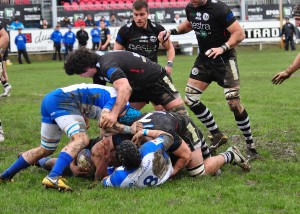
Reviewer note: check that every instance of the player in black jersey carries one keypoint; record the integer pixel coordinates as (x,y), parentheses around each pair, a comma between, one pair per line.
(183,131)
(134,76)
(141,36)
(4,41)
(217,32)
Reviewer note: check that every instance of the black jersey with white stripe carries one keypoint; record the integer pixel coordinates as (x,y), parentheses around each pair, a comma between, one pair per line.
(139,70)
(209,23)
(140,40)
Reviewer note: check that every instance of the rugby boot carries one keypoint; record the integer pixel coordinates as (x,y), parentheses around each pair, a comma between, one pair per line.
(252,154)
(239,159)
(6,91)
(56,183)
(4,180)
(217,140)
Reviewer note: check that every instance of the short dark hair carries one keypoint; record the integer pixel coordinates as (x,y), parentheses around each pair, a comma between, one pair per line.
(140,4)
(128,155)
(79,60)
(296,10)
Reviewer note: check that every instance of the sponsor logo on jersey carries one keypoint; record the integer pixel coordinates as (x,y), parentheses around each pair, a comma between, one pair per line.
(205,16)
(143,47)
(200,26)
(195,71)
(198,16)
(153,38)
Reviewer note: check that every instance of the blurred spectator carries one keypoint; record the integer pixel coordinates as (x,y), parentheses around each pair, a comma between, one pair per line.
(82,36)
(79,22)
(105,37)
(56,37)
(20,42)
(130,20)
(176,19)
(288,30)
(95,33)
(43,24)
(114,22)
(104,20)
(16,25)
(89,21)
(65,22)
(69,40)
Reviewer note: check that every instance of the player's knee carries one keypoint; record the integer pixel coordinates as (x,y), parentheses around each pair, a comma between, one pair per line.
(197,171)
(82,138)
(179,109)
(232,96)
(192,96)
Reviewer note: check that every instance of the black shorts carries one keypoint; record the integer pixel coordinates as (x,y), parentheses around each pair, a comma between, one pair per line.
(223,70)
(5,55)
(161,92)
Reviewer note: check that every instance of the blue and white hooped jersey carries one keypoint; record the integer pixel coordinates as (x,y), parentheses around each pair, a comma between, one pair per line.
(83,99)
(144,175)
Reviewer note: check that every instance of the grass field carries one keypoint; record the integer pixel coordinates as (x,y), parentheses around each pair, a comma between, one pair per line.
(272,186)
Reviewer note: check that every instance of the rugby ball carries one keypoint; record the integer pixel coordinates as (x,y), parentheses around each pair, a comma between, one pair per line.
(84,160)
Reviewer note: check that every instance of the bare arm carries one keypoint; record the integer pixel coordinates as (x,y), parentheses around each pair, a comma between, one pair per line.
(108,119)
(184,155)
(168,45)
(237,35)
(107,41)
(281,76)
(117,46)
(4,39)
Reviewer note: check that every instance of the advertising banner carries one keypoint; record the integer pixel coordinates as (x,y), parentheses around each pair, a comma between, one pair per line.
(259,31)
(29,14)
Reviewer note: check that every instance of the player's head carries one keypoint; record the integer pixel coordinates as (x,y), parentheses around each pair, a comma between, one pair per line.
(128,155)
(296,14)
(130,116)
(140,13)
(198,3)
(78,61)
(102,24)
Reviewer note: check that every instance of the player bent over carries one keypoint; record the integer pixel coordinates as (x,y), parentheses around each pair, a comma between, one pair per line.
(63,110)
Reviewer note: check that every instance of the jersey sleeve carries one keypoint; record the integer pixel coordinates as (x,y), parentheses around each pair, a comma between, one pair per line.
(162,143)
(226,16)
(116,178)
(159,29)
(122,36)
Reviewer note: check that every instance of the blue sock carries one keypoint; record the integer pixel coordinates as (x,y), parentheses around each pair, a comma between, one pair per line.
(43,161)
(64,159)
(15,168)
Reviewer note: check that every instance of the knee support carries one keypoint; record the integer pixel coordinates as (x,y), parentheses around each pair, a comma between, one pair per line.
(231,93)
(192,95)
(197,171)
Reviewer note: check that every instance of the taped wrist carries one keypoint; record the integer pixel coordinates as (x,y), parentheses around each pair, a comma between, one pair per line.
(174,31)
(170,64)
(225,47)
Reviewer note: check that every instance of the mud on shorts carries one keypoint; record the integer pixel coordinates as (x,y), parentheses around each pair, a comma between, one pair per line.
(161,92)
(223,70)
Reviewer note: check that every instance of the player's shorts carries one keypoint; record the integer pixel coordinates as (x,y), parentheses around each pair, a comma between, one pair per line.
(57,104)
(161,92)
(5,55)
(223,70)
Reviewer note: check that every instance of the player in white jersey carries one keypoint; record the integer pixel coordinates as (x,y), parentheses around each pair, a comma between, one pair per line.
(144,167)
(64,110)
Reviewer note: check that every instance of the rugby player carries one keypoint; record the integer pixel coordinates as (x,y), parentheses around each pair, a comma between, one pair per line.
(217,32)
(282,76)
(64,110)
(135,77)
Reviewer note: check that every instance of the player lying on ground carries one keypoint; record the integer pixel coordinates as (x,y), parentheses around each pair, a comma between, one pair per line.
(63,110)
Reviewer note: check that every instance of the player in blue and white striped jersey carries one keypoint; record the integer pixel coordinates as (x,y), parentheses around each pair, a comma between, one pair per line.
(144,167)
(64,110)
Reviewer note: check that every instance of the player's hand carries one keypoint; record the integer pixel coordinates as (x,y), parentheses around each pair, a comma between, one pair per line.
(78,171)
(169,70)
(137,138)
(163,36)
(280,77)
(107,119)
(86,120)
(105,145)
(136,126)
(214,52)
